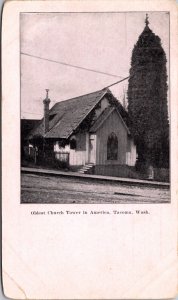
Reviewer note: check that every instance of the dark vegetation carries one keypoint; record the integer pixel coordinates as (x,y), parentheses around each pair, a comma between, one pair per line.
(147,101)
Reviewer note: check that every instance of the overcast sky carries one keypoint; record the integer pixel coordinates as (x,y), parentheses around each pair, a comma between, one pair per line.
(98,41)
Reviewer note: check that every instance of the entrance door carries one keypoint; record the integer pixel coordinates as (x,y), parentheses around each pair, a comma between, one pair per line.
(92,149)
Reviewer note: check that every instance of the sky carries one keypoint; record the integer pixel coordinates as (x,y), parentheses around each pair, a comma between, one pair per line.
(99,41)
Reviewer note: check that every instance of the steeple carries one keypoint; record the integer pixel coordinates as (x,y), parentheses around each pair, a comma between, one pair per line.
(46,103)
(146,20)
(148,39)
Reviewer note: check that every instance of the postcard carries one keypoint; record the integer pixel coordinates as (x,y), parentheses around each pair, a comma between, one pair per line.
(89,149)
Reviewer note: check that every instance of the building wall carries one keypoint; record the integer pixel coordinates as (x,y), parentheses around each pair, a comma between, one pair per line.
(112,124)
(78,156)
(81,154)
(131,154)
(123,171)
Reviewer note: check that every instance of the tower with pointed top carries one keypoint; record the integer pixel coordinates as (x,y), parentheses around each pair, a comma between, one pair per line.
(146,20)
(147,99)
(46,103)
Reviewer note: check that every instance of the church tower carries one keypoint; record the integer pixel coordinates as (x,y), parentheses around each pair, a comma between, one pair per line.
(46,103)
(147,100)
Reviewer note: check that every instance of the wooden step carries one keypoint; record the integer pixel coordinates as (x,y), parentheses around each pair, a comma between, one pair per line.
(85,168)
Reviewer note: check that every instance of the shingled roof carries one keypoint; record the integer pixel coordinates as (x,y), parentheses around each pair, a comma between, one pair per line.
(66,116)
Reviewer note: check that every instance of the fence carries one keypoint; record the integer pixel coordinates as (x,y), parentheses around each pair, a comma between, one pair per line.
(48,158)
(62,158)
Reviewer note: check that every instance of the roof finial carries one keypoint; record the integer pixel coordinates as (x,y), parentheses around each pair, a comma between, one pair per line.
(47,90)
(146,20)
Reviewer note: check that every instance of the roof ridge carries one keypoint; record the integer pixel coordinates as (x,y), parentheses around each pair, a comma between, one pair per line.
(90,109)
(78,97)
(74,112)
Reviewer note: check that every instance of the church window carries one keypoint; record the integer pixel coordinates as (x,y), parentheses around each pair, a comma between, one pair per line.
(112,147)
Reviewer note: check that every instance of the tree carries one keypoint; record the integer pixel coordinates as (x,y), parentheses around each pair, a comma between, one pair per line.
(147,100)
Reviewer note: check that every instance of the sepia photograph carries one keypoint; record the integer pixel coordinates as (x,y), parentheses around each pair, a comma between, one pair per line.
(95,107)
(89,149)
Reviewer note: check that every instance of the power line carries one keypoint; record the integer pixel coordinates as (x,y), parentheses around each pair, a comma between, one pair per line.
(132,75)
(116,82)
(70,65)
(103,89)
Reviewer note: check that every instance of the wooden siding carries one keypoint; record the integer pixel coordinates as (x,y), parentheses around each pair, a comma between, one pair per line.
(87,148)
(81,142)
(92,148)
(115,170)
(112,124)
(77,156)
(131,154)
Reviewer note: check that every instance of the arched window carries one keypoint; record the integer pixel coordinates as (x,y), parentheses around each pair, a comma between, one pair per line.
(112,147)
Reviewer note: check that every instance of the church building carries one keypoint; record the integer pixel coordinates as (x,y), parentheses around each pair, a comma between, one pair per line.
(87,132)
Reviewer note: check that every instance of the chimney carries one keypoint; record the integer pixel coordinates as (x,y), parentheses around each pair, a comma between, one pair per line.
(46,102)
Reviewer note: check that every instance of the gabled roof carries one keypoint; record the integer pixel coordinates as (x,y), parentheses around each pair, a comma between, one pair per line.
(104,115)
(66,116)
